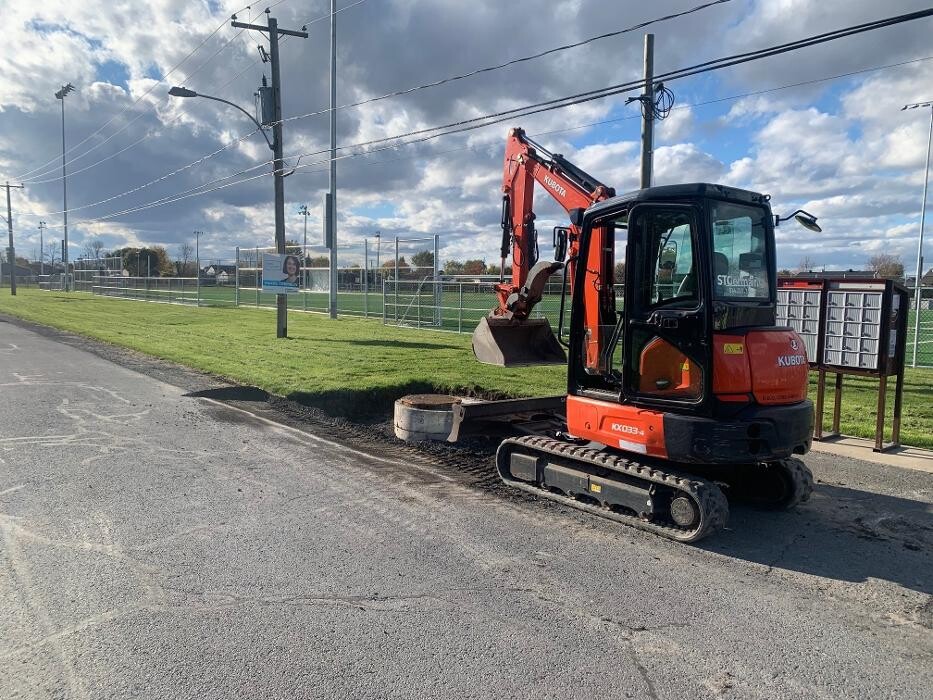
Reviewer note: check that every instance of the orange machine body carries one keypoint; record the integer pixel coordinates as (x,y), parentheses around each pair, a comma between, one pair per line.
(765,367)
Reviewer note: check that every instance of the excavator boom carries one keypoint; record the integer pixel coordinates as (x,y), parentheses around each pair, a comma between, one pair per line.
(509,335)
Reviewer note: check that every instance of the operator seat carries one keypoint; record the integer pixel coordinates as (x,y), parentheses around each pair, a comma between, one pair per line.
(664,370)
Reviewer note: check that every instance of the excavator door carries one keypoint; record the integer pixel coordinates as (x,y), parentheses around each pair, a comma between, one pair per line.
(665,336)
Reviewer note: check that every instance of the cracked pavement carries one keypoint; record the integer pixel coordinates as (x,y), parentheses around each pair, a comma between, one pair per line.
(158,545)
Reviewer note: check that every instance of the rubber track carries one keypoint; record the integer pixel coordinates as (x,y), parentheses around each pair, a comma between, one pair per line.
(714,508)
(803,482)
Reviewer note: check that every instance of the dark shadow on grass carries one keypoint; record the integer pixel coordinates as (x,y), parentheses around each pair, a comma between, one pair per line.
(232,393)
(404,344)
(360,403)
(841,533)
(354,404)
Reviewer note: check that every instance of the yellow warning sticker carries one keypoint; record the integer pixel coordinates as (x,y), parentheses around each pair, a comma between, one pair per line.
(733,348)
(596,488)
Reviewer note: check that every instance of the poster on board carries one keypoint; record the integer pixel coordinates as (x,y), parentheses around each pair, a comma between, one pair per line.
(281,274)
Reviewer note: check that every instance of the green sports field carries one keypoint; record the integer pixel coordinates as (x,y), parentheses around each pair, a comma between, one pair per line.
(354,364)
(460,308)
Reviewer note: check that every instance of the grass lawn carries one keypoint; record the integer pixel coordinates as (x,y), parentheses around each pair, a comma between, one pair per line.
(351,362)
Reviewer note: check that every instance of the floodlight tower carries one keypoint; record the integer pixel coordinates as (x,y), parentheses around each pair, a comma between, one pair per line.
(60,95)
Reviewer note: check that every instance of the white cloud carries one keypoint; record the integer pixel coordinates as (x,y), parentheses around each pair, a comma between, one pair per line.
(843,150)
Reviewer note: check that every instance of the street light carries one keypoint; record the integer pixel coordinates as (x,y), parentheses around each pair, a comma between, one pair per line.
(303,210)
(42,228)
(923,212)
(60,95)
(281,323)
(177,91)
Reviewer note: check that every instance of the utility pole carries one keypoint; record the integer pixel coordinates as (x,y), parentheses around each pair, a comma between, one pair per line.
(332,224)
(647,115)
(42,228)
(281,304)
(11,253)
(918,290)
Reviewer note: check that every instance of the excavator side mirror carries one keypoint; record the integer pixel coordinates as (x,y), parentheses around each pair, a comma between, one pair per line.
(804,218)
(561,235)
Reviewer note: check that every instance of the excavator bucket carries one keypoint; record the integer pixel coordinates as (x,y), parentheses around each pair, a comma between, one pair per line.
(509,343)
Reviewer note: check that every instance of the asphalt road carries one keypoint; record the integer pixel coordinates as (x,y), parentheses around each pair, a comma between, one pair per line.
(159,545)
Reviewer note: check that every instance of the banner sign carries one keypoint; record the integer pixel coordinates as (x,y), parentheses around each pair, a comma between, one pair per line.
(281,274)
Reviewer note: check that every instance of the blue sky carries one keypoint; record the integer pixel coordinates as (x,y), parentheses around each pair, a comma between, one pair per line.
(841,148)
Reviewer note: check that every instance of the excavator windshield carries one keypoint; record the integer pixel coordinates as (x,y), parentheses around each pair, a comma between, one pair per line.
(740,256)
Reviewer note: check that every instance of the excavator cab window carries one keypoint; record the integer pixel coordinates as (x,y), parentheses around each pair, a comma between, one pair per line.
(740,256)
(670,279)
(666,305)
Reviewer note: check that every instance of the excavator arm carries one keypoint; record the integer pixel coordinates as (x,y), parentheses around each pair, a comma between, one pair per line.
(509,336)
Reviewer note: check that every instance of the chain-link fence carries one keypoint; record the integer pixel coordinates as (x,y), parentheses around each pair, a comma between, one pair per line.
(397,280)
(920,328)
(87,271)
(459,304)
(166,290)
(358,276)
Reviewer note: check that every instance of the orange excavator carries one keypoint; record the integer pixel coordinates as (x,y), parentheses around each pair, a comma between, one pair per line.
(680,387)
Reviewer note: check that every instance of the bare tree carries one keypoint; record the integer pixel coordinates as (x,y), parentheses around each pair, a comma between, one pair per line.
(806,264)
(185,253)
(886,265)
(52,253)
(97,246)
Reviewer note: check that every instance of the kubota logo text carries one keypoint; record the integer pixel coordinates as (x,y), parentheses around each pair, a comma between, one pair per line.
(791,360)
(555,185)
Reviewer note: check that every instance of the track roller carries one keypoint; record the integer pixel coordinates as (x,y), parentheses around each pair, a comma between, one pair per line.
(677,506)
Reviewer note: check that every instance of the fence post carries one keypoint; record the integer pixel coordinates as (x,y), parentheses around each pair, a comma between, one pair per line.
(365,278)
(396,280)
(383,301)
(460,309)
(438,287)
(236,279)
(258,272)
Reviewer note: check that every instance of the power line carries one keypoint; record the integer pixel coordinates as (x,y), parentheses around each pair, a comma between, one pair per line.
(147,136)
(513,62)
(188,76)
(136,101)
(162,178)
(284,39)
(638,116)
(137,117)
(198,190)
(528,110)
(715,64)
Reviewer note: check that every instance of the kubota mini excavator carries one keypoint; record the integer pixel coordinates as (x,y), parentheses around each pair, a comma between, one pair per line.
(689,386)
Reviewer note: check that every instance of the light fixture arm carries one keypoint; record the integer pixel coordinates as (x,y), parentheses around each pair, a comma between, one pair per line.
(182,92)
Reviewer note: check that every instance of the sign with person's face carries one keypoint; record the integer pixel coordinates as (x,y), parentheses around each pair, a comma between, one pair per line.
(281,274)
